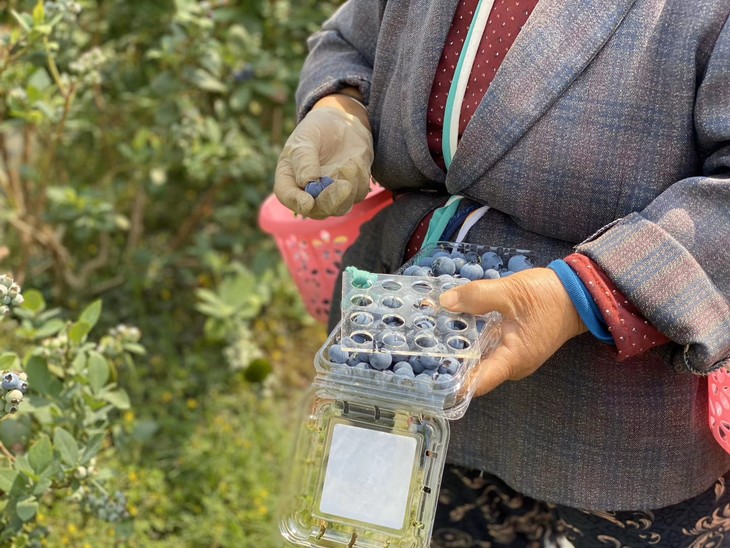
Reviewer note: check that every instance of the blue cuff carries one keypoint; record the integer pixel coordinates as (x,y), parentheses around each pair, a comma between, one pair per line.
(582,300)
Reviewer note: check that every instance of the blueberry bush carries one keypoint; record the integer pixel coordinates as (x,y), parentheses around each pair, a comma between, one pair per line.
(151,358)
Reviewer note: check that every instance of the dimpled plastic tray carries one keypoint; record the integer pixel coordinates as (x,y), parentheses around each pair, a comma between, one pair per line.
(401,315)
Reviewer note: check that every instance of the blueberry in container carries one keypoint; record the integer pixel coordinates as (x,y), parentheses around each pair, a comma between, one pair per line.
(372,442)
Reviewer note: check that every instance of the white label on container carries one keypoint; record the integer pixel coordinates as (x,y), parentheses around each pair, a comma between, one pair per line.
(368,476)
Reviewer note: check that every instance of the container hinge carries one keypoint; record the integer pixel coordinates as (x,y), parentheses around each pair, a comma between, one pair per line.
(376,412)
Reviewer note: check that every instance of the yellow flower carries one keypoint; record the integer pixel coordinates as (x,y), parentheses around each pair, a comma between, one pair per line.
(133,476)
(192,403)
(129,417)
(72,529)
(166,397)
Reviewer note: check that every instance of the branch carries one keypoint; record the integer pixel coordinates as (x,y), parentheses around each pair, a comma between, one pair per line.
(202,210)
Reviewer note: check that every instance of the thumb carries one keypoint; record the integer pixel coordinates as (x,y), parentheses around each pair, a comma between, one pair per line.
(287,191)
(479,297)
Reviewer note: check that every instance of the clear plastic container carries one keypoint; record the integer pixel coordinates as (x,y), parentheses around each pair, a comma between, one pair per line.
(371,447)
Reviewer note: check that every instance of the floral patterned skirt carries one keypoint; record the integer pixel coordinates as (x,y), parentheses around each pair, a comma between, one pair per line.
(479,510)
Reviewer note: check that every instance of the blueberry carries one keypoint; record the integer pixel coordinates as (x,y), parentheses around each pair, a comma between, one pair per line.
(430,362)
(353,360)
(405,372)
(380,360)
(491,260)
(416,364)
(337,354)
(326,181)
(449,366)
(359,338)
(425,261)
(363,357)
(458,255)
(443,381)
(423,323)
(360,319)
(471,257)
(443,265)
(431,372)
(459,262)
(440,253)
(11,381)
(14,396)
(506,273)
(490,274)
(244,75)
(519,263)
(424,378)
(471,271)
(314,189)
(412,270)
(392,302)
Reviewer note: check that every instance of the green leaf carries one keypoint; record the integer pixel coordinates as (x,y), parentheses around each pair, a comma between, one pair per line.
(43,485)
(202,79)
(40,454)
(79,363)
(33,300)
(26,508)
(22,20)
(8,360)
(134,348)
(7,477)
(98,370)
(48,329)
(78,331)
(23,465)
(91,313)
(40,378)
(39,14)
(66,445)
(118,398)
(92,448)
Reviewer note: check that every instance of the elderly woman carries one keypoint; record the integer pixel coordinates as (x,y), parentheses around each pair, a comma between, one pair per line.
(597,132)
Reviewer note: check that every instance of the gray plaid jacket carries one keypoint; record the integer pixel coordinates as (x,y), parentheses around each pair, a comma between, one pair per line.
(606,130)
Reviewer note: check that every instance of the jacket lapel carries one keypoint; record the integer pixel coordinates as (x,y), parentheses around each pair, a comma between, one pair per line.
(427,28)
(559,40)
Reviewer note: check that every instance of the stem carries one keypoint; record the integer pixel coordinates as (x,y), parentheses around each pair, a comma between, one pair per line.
(52,66)
(7,453)
(203,209)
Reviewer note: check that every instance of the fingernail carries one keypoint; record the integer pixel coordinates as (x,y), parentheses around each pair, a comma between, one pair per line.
(450,298)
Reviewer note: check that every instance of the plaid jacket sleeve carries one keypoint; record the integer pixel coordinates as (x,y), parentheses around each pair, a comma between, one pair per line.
(341,54)
(672,259)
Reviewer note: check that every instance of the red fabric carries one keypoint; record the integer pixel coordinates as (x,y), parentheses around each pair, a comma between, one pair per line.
(632,333)
(504,24)
(416,241)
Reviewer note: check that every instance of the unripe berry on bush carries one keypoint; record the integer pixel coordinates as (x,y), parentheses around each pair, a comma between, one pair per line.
(11,408)
(14,396)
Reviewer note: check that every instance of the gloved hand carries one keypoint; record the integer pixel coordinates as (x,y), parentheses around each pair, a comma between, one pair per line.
(327,142)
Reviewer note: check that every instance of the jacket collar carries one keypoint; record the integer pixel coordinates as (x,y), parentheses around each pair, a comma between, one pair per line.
(560,39)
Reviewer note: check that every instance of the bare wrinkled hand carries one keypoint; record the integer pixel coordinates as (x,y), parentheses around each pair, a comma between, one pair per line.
(327,142)
(538,318)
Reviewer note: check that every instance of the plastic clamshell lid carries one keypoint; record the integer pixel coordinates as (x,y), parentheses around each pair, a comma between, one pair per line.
(402,314)
(363,474)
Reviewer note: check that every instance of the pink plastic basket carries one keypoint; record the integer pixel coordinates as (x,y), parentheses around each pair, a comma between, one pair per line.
(312,250)
(718,385)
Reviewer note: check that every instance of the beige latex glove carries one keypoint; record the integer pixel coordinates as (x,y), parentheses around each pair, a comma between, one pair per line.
(327,142)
